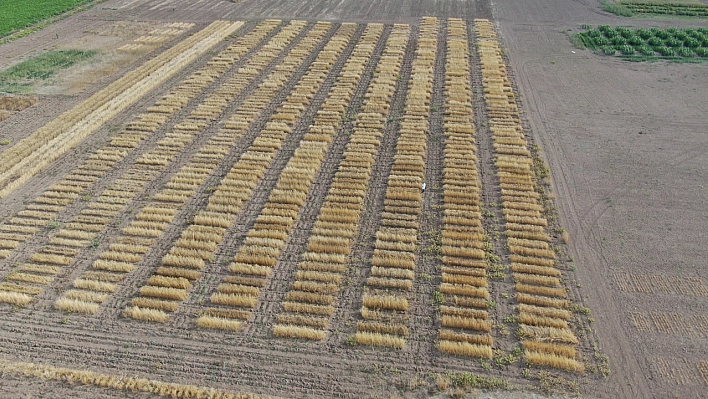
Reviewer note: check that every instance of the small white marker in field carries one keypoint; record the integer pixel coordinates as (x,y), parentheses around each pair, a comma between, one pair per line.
(572,51)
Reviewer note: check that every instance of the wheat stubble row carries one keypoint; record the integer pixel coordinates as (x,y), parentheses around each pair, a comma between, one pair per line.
(17,230)
(152,219)
(239,292)
(35,152)
(545,334)
(388,288)
(310,302)
(83,230)
(197,244)
(465,329)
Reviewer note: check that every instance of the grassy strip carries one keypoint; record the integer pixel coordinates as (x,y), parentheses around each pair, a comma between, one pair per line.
(19,14)
(630,8)
(666,8)
(46,22)
(19,78)
(615,8)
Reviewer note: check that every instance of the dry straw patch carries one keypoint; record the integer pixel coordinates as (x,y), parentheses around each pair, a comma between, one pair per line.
(541,298)
(465,349)
(145,314)
(551,360)
(116,382)
(376,339)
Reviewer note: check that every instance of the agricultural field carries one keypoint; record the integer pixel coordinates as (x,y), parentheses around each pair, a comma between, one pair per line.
(252,199)
(645,44)
(19,14)
(666,8)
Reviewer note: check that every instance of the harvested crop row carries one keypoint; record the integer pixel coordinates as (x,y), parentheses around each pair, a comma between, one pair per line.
(464,326)
(548,340)
(47,207)
(390,283)
(199,241)
(308,305)
(83,230)
(149,224)
(33,153)
(255,260)
(118,382)
(156,36)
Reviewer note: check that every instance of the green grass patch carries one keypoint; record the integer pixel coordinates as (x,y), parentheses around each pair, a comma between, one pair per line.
(21,77)
(680,8)
(678,45)
(666,8)
(19,14)
(616,8)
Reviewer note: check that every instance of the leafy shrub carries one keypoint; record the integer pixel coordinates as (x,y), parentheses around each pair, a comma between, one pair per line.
(703,31)
(672,30)
(610,33)
(665,51)
(685,52)
(604,28)
(618,41)
(692,43)
(662,34)
(681,35)
(608,50)
(594,33)
(635,40)
(601,41)
(655,41)
(673,42)
(645,50)
(644,33)
(625,49)
(702,52)
(624,32)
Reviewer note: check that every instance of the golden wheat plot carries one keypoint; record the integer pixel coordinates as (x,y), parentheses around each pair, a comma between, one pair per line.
(548,340)
(309,304)
(390,282)
(78,181)
(35,152)
(153,219)
(253,263)
(198,242)
(463,315)
(83,229)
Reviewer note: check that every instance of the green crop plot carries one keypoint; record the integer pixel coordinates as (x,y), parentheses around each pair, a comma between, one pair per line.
(689,44)
(18,14)
(21,77)
(688,9)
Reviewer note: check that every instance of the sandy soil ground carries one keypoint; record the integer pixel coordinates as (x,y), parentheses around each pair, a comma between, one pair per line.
(627,153)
